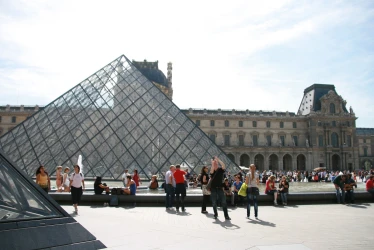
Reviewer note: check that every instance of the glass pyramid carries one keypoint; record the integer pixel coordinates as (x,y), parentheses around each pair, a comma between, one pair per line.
(116,119)
(18,198)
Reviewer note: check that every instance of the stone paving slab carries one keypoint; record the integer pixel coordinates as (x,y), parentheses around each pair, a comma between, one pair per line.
(293,227)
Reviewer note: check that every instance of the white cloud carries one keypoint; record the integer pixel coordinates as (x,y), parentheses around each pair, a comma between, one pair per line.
(220,50)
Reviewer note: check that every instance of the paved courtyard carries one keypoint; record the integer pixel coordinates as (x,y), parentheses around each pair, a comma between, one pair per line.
(292,227)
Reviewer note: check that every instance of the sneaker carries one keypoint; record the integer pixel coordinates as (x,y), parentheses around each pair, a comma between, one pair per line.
(204,212)
(227,218)
(215,216)
(183,210)
(275,203)
(177,210)
(256,218)
(285,204)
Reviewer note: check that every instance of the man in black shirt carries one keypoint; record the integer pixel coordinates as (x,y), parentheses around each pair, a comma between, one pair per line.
(217,193)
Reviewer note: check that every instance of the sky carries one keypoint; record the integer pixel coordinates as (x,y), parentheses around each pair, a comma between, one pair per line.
(256,55)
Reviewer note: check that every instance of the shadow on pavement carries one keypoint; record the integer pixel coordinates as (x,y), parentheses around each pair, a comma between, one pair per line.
(225,224)
(261,222)
(357,206)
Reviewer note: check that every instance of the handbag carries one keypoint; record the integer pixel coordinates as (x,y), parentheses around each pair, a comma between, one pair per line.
(243,190)
(205,190)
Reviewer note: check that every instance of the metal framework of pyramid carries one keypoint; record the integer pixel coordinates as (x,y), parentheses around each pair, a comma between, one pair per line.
(116,119)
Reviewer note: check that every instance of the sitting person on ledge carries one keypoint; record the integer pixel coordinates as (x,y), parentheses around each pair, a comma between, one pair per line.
(131,186)
(99,187)
(370,185)
(153,184)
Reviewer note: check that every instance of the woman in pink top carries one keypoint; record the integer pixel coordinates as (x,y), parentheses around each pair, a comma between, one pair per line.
(271,189)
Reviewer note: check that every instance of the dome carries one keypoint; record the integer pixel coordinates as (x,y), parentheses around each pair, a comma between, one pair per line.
(151,71)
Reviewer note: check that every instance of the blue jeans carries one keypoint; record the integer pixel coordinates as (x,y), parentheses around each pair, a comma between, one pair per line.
(170,190)
(284,197)
(251,197)
(217,194)
(340,195)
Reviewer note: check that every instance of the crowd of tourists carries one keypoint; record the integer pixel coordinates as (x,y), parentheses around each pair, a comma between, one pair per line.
(218,185)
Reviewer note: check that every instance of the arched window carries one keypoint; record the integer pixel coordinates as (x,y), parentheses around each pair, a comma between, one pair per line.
(332,108)
(335,140)
(227,123)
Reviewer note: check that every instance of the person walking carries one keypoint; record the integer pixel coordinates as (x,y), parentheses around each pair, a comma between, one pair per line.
(180,188)
(217,194)
(204,179)
(169,187)
(77,187)
(252,180)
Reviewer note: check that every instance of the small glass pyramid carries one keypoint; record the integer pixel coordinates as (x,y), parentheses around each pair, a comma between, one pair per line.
(18,199)
(116,119)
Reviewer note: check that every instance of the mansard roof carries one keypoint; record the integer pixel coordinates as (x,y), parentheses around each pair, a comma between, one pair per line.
(365,131)
(237,112)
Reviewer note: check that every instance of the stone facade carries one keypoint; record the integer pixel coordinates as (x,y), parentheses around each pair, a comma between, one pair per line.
(323,133)
(11,116)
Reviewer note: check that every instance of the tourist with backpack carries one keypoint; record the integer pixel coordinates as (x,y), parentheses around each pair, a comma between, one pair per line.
(77,187)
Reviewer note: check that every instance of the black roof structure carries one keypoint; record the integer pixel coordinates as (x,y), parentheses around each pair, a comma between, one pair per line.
(30,219)
(116,119)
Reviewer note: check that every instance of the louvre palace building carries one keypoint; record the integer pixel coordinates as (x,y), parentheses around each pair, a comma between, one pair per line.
(322,133)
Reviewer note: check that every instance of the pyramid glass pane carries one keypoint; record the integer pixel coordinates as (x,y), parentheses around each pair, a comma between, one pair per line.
(18,197)
(116,119)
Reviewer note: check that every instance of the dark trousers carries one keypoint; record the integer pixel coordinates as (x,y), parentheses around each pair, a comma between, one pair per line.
(180,190)
(169,200)
(217,195)
(76,194)
(205,201)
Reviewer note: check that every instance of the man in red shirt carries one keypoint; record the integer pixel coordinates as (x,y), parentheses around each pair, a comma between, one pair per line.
(370,185)
(180,188)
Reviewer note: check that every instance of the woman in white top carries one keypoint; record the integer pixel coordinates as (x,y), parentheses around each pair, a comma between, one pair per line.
(252,181)
(76,183)
(65,180)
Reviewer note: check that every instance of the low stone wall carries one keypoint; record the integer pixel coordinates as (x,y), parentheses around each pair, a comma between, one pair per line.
(89,198)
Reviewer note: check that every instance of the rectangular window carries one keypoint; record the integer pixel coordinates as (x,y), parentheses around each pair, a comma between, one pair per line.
(227,140)
(14,119)
(320,140)
(212,123)
(295,140)
(294,125)
(364,140)
(227,123)
(1,118)
(268,124)
(213,138)
(240,124)
(348,124)
(365,151)
(255,141)
(349,139)
(241,140)
(281,124)
(268,140)
(333,123)
(254,124)
(282,140)
(198,123)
